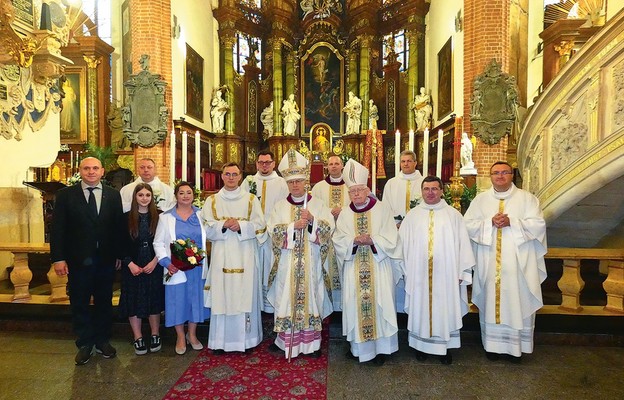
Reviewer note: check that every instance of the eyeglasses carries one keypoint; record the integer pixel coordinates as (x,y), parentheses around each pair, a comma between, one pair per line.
(357,190)
(231,174)
(497,173)
(264,162)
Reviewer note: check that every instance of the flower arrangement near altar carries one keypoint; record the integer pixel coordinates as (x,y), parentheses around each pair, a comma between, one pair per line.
(185,254)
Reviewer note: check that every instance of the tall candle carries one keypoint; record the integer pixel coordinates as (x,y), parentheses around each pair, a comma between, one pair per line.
(410,142)
(197,161)
(425,160)
(172,157)
(439,159)
(374,164)
(397,153)
(184,155)
(71,162)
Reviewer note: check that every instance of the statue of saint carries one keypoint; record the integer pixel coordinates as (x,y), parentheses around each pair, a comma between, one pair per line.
(217,112)
(290,113)
(373,115)
(353,108)
(465,153)
(422,110)
(266,117)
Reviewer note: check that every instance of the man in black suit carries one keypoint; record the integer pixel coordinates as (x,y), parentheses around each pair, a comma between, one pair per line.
(86,226)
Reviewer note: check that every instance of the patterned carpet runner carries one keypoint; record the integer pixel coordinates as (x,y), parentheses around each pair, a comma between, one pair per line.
(261,374)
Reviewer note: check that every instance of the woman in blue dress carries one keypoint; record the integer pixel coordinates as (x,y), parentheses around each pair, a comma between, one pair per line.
(184,296)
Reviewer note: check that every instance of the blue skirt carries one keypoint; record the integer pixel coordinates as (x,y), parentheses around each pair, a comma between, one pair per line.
(185,302)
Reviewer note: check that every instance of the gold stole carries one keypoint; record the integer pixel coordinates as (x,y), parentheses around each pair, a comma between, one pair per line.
(430,265)
(408,195)
(499,265)
(263,197)
(335,195)
(299,277)
(365,278)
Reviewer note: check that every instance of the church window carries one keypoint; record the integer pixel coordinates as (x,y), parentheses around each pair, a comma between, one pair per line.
(398,42)
(242,51)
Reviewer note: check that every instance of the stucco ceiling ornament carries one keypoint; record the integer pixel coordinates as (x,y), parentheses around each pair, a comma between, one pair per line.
(145,116)
(494,104)
(320,9)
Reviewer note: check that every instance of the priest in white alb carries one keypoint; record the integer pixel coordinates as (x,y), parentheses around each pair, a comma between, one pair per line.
(335,195)
(300,227)
(402,192)
(368,252)
(269,188)
(508,231)
(438,263)
(236,228)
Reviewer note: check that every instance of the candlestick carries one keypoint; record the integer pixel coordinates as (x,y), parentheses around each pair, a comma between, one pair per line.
(172,157)
(425,160)
(410,142)
(197,160)
(397,153)
(374,163)
(184,155)
(439,159)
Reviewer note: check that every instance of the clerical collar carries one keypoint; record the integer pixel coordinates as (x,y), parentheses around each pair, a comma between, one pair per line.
(503,195)
(370,203)
(334,181)
(410,177)
(437,206)
(268,177)
(231,194)
(297,201)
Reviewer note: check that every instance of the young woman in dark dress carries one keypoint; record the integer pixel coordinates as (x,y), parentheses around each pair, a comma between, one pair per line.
(142,292)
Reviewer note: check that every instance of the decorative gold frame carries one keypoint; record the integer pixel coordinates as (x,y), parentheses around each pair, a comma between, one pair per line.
(194,67)
(317,130)
(77,74)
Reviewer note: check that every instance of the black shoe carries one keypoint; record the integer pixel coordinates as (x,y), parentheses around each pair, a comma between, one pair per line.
(106,350)
(275,349)
(350,355)
(514,359)
(446,359)
(139,347)
(84,355)
(155,344)
(379,360)
(420,356)
(218,352)
(492,356)
(316,354)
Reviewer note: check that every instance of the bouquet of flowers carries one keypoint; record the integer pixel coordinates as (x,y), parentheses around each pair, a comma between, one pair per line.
(185,254)
(252,185)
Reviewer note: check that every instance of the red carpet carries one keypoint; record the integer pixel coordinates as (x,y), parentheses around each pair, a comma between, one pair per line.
(259,375)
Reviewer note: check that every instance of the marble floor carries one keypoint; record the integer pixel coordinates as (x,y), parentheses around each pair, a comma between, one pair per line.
(39,365)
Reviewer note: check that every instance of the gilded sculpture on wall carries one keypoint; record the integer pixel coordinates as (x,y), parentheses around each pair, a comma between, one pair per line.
(494,104)
(145,116)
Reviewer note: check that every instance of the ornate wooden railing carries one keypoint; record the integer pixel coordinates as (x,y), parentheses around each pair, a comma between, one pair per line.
(570,284)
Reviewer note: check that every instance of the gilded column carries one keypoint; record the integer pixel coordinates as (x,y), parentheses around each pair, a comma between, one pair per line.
(353,70)
(277,87)
(290,73)
(365,41)
(228,60)
(93,131)
(412,76)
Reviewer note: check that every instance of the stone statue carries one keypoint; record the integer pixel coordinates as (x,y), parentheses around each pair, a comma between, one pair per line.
(217,112)
(353,108)
(373,115)
(422,110)
(290,113)
(467,165)
(266,117)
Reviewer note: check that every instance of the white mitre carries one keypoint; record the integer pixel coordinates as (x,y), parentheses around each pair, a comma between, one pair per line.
(354,173)
(293,166)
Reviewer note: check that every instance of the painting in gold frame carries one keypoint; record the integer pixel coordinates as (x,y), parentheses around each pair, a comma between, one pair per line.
(73,116)
(445,80)
(194,84)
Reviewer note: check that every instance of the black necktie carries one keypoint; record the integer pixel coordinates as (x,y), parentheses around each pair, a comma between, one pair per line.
(92,204)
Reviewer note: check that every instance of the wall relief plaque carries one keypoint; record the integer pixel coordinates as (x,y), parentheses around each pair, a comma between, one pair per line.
(494,104)
(145,116)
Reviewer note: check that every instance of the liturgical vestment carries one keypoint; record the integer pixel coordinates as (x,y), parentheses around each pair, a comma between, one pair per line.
(437,257)
(507,293)
(233,286)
